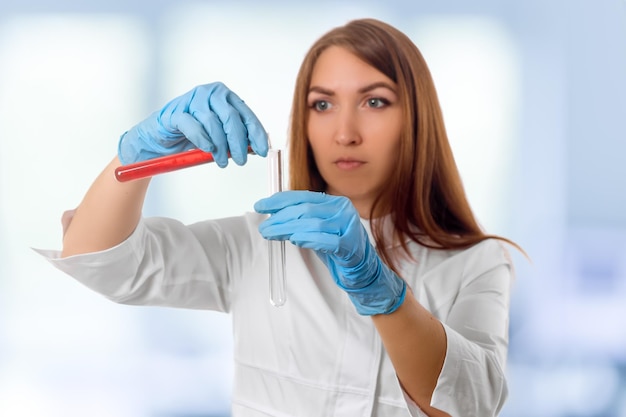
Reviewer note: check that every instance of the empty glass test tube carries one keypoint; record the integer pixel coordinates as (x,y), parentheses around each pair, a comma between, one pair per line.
(278,294)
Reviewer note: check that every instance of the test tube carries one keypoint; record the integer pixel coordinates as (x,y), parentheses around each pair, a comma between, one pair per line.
(163,164)
(276,248)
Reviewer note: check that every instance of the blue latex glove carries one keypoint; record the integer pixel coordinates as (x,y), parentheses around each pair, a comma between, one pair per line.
(331,226)
(209,117)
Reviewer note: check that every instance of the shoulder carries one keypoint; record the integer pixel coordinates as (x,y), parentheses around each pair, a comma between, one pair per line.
(487,253)
(464,264)
(442,278)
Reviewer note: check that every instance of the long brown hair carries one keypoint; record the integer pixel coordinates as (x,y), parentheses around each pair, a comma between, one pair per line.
(425,197)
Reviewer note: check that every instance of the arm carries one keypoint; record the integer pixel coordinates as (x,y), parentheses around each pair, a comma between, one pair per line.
(474,317)
(416,344)
(107,215)
(209,117)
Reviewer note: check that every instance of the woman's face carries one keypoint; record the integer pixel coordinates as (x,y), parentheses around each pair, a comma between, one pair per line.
(354,126)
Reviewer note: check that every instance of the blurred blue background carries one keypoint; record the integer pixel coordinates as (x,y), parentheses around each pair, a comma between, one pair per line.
(534,96)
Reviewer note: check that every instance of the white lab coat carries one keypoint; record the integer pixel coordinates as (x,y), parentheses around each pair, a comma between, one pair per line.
(315,356)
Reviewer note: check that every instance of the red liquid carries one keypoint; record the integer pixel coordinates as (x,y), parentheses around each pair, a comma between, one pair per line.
(163,164)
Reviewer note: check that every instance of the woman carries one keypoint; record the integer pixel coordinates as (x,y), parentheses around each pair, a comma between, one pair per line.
(398,301)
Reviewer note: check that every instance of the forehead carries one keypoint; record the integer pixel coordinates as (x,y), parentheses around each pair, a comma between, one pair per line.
(338,66)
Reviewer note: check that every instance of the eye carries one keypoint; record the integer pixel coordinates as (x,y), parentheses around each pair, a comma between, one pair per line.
(321,105)
(377,102)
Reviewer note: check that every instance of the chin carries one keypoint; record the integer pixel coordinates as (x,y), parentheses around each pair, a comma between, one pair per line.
(353,192)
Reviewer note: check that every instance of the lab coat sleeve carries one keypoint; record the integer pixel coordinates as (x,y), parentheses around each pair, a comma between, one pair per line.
(472,381)
(166,263)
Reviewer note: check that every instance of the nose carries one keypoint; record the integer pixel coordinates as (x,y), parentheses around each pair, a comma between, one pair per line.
(347,128)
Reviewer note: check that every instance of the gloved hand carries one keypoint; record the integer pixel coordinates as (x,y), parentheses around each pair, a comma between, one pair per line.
(209,117)
(331,226)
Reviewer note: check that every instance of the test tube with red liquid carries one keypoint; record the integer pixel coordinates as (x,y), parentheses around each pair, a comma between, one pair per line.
(163,164)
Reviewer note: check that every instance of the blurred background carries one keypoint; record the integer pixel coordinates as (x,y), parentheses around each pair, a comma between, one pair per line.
(534,96)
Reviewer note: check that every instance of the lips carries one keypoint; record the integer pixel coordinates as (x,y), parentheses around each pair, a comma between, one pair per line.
(348,163)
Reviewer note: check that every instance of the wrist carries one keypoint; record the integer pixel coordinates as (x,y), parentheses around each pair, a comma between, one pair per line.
(132,147)
(125,151)
(384,292)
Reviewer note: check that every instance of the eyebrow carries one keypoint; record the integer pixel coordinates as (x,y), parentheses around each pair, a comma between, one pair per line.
(369,87)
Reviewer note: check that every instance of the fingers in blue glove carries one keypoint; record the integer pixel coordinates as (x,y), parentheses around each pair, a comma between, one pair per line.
(284,199)
(209,117)
(221,123)
(257,136)
(325,223)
